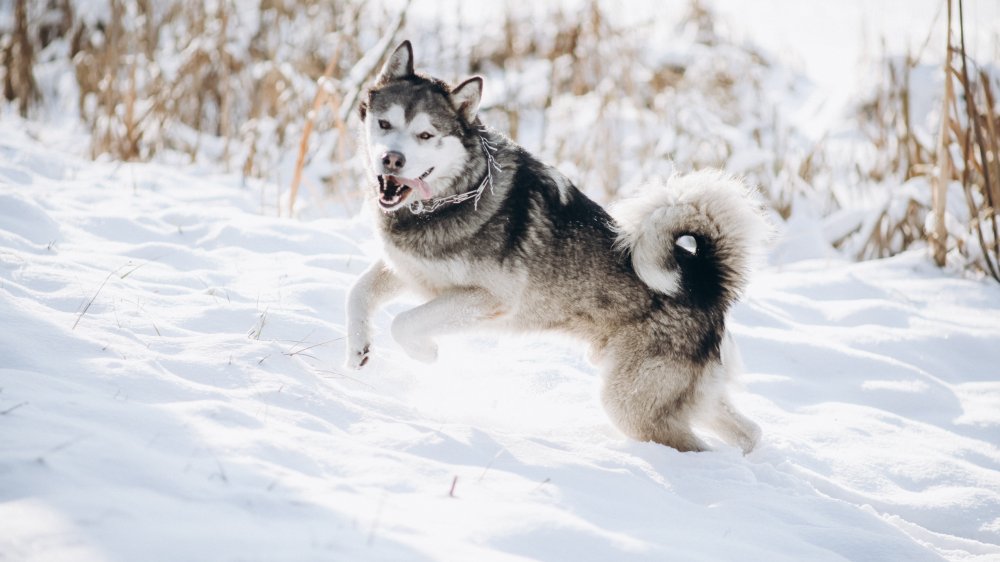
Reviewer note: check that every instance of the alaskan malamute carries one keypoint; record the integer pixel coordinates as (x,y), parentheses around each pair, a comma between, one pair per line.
(492,237)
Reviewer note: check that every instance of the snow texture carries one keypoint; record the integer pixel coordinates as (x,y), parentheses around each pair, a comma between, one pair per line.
(170,389)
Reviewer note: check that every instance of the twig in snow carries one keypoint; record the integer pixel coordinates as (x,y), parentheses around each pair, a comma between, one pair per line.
(375,521)
(60,447)
(298,351)
(93,298)
(131,271)
(254,332)
(12,408)
(222,472)
(101,287)
(490,465)
(343,376)
(451,492)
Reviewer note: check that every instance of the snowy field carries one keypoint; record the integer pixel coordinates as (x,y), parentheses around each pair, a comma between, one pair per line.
(171,386)
(171,389)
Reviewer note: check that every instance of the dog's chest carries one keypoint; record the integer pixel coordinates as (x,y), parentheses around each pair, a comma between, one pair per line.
(432,274)
(437,275)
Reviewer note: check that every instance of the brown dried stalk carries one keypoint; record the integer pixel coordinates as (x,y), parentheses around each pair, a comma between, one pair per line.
(19,58)
(322,90)
(972,111)
(359,75)
(938,238)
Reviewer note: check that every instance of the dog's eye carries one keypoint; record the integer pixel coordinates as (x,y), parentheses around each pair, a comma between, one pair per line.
(384,125)
(425,135)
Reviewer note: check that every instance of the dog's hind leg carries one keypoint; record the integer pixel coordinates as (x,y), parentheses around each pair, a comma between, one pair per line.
(375,286)
(675,431)
(653,400)
(451,312)
(719,414)
(735,428)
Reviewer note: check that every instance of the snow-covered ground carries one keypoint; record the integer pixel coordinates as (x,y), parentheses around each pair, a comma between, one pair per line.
(171,389)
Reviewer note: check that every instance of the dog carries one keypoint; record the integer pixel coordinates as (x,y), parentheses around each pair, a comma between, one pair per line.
(494,238)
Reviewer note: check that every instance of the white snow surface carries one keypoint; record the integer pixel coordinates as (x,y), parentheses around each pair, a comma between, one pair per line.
(171,389)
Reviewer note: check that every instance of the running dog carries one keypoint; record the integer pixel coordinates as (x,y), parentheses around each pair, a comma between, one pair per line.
(493,238)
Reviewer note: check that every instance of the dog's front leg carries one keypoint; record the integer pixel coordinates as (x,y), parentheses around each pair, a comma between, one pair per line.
(376,285)
(451,312)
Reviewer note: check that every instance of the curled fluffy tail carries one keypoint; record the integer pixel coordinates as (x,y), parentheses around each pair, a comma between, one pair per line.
(722,216)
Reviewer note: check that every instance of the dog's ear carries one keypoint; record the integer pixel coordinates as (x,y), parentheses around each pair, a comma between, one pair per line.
(466,96)
(399,65)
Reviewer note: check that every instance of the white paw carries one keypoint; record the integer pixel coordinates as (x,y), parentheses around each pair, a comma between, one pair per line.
(417,345)
(357,356)
(425,351)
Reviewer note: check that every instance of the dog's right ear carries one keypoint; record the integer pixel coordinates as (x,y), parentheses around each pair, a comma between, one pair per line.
(399,65)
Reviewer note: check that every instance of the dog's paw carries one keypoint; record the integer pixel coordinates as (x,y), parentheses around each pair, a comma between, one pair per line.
(411,338)
(358,357)
(425,351)
(751,439)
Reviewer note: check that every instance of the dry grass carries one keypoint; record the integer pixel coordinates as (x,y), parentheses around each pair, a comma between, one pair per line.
(17,55)
(970,120)
(341,96)
(252,90)
(590,96)
(980,151)
(184,77)
(189,77)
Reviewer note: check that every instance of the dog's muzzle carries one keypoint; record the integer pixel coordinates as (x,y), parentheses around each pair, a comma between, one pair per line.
(393,190)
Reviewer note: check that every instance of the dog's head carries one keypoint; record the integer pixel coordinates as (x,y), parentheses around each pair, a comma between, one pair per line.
(417,130)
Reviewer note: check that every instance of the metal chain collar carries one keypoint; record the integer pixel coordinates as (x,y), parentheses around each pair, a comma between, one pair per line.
(421,206)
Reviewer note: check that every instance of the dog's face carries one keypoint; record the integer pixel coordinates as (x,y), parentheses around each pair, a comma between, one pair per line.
(414,130)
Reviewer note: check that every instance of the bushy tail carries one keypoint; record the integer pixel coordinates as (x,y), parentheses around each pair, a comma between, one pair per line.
(722,216)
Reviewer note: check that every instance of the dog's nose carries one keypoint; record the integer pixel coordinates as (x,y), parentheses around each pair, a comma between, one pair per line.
(393,161)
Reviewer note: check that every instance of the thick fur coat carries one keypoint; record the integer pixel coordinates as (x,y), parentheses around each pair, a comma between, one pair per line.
(493,238)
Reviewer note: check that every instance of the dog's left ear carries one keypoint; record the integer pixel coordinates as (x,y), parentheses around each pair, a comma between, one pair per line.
(466,96)
(399,65)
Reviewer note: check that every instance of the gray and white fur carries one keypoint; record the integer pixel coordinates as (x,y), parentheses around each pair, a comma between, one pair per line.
(526,251)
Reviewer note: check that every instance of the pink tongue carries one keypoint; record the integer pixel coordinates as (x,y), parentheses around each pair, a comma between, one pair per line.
(417,184)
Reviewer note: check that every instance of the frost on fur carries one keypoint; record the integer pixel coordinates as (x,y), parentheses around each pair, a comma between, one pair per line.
(719,212)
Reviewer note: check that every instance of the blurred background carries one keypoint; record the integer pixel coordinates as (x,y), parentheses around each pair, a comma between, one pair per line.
(871,127)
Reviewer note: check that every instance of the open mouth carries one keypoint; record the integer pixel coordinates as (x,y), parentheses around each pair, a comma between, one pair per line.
(393,190)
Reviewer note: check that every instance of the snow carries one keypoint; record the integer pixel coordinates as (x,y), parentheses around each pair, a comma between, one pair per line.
(171,389)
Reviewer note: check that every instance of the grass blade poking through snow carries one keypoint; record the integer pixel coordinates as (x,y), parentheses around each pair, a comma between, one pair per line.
(93,298)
